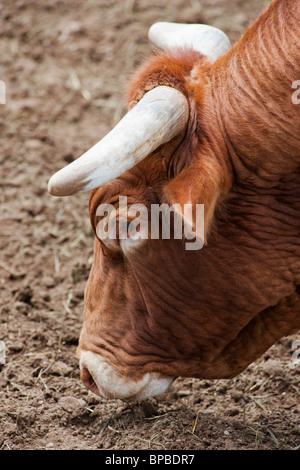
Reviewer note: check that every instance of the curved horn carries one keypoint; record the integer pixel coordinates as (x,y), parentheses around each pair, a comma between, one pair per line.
(208,40)
(158,117)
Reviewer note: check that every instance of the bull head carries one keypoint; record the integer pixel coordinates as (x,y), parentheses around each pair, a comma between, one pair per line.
(159,116)
(153,310)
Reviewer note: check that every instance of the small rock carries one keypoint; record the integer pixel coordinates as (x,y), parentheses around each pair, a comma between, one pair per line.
(233,412)
(71,404)
(272,367)
(236,395)
(60,368)
(48,281)
(106,445)
(17,346)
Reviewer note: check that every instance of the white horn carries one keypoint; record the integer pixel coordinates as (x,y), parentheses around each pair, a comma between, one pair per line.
(208,40)
(159,116)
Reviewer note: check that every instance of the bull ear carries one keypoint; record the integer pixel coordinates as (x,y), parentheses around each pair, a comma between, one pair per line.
(201,184)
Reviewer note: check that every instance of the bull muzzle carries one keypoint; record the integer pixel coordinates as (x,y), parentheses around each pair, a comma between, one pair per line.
(103,380)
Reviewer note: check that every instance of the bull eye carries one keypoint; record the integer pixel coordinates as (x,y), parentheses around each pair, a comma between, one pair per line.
(119,226)
(112,232)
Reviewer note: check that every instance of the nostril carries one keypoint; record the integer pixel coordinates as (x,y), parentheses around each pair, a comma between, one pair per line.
(88,381)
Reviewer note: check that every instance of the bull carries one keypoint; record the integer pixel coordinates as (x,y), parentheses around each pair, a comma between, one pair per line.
(207,124)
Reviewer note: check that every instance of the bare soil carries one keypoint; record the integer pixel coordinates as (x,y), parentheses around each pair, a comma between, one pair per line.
(65,65)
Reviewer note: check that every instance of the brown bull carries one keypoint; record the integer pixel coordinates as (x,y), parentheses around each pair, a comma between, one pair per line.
(223,131)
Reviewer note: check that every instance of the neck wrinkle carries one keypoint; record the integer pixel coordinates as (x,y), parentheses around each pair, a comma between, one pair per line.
(252,92)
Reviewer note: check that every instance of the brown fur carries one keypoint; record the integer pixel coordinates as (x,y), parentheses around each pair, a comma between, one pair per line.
(210,313)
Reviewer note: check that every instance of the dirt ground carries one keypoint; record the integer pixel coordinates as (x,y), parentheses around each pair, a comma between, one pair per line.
(65,65)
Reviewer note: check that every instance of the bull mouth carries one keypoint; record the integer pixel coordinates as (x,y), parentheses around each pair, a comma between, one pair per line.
(101,379)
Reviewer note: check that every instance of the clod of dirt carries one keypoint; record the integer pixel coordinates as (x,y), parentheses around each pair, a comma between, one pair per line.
(60,368)
(48,281)
(16,346)
(71,404)
(145,409)
(272,367)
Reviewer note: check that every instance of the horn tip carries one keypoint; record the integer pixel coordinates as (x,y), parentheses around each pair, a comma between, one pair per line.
(55,188)
(61,184)
(52,189)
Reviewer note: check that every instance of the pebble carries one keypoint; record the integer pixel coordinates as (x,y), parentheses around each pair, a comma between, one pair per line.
(48,281)
(16,346)
(71,404)
(60,368)
(272,367)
